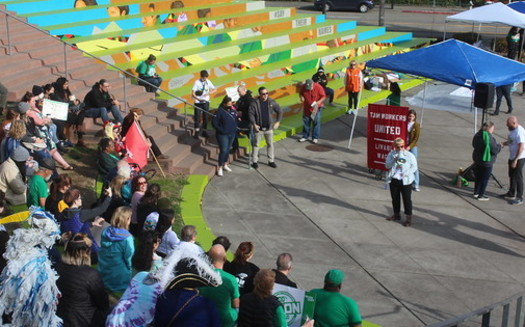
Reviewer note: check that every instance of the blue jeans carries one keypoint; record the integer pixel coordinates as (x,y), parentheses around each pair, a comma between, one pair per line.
(103,113)
(153,80)
(416,174)
(225,144)
(482,175)
(307,121)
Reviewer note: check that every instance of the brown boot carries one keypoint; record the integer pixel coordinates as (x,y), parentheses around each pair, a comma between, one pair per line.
(394,217)
(408,222)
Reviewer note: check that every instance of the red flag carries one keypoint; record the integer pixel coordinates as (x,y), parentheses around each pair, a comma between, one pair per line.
(137,146)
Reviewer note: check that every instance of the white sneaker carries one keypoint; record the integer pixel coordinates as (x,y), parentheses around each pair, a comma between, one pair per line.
(219,172)
(302,139)
(315,141)
(227,168)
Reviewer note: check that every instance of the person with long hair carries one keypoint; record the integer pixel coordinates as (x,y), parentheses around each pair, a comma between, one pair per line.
(134,116)
(241,268)
(225,124)
(486,150)
(116,251)
(62,93)
(58,188)
(145,258)
(76,219)
(260,307)
(17,136)
(414,130)
(169,239)
(83,302)
(401,165)
(39,126)
(139,185)
(147,204)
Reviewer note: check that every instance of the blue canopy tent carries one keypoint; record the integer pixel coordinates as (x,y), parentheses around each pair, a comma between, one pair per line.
(454,62)
(519,6)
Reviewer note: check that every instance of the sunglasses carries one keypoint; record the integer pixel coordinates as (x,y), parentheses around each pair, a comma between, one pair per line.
(264,93)
(142,183)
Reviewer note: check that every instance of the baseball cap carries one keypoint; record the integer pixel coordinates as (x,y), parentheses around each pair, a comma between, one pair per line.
(309,84)
(47,163)
(334,276)
(20,154)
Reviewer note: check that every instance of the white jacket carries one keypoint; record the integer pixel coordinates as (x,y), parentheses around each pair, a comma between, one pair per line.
(408,168)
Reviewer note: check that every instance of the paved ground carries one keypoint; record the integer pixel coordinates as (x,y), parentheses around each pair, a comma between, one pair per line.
(329,212)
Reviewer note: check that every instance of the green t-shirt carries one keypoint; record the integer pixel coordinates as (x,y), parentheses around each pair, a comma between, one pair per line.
(144,69)
(334,309)
(37,189)
(280,317)
(393,99)
(222,296)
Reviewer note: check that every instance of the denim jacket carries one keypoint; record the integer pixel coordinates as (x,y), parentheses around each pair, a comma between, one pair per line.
(408,168)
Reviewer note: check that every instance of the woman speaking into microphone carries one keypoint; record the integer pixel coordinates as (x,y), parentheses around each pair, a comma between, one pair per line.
(401,165)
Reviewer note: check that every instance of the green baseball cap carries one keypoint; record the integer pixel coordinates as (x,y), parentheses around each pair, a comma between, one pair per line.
(334,276)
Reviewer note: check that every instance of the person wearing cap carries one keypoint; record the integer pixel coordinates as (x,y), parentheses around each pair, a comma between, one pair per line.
(312,96)
(225,296)
(37,192)
(98,102)
(13,176)
(261,114)
(321,78)
(353,84)
(333,308)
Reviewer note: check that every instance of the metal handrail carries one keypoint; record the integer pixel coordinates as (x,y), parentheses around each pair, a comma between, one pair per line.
(486,311)
(186,103)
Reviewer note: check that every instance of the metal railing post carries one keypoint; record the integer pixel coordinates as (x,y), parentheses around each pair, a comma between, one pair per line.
(505,316)
(485,321)
(517,318)
(65,60)
(125,93)
(8,35)
(185,122)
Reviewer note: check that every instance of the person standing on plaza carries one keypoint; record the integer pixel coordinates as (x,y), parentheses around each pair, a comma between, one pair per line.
(312,96)
(503,91)
(414,129)
(353,84)
(202,88)
(516,144)
(261,114)
(484,155)
(225,124)
(401,165)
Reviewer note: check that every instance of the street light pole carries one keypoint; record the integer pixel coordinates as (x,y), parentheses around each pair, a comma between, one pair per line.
(381,13)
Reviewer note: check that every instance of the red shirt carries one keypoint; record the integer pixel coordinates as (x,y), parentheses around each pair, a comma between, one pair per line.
(315,94)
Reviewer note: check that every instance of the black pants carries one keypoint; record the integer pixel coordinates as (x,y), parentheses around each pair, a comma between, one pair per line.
(516,179)
(198,114)
(482,174)
(503,91)
(353,97)
(154,147)
(397,189)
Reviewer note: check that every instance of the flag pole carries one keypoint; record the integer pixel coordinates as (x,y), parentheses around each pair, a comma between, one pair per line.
(355,112)
(158,164)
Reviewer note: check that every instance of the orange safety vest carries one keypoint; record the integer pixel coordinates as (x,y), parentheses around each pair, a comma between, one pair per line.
(353,80)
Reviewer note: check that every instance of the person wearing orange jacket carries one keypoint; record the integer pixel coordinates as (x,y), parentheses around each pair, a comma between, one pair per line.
(353,84)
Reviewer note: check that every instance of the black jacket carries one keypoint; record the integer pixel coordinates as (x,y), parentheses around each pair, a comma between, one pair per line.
(479,148)
(97,99)
(84,302)
(255,112)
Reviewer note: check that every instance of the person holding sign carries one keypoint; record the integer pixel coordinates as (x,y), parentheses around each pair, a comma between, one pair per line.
(333,308)
(402,166)
(312,96)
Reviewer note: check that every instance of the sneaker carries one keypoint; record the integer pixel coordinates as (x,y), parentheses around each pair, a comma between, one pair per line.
(483,198)
(255,165)
(315,141)
(302,139)
(476,196)
(219,172)
(227,168)
(516,202)
(507,196)
(417,189)
(272,164)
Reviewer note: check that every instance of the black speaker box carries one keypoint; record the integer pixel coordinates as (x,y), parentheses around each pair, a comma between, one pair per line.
(484,95)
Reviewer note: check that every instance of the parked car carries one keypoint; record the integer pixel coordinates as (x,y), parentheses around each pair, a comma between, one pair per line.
(359,5)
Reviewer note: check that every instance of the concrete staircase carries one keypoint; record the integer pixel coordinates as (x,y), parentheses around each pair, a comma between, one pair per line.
(234,40)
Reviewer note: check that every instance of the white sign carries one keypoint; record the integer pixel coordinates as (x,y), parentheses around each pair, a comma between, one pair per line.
(232,93)
(292,300)
(55,109)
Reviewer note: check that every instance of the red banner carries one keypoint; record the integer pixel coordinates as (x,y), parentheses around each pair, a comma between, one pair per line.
(137,146)
(385,123)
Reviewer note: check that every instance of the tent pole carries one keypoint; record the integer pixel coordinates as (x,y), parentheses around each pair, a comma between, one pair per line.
(445,31)
(475,113)
(479,32)
(423,106)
